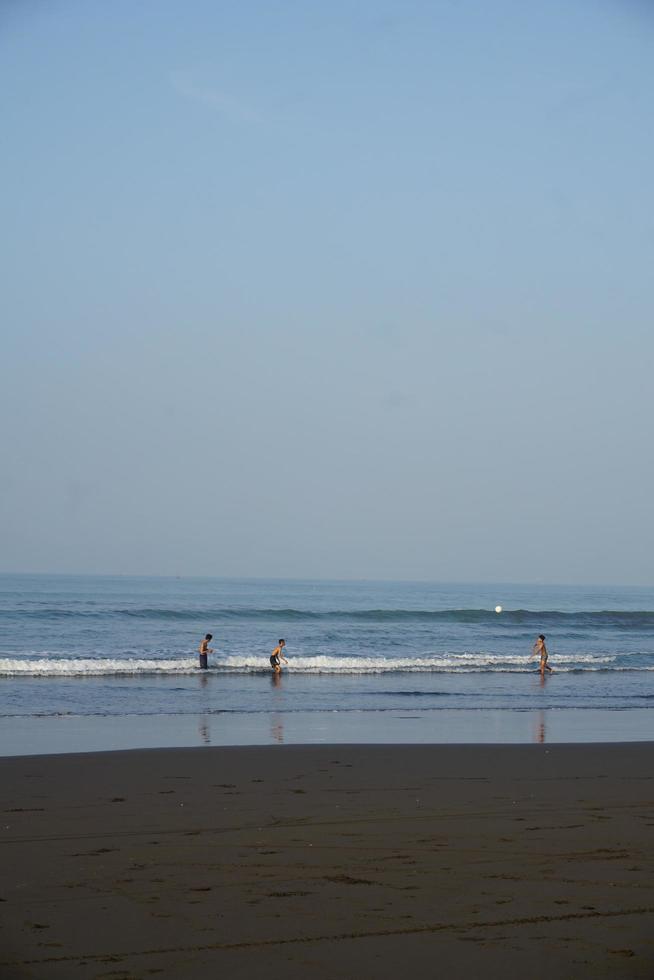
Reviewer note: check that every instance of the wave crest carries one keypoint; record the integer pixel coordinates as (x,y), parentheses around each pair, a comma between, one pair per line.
(535,619)
(54,666)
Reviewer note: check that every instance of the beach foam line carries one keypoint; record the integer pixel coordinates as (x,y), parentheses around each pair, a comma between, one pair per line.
(53,666)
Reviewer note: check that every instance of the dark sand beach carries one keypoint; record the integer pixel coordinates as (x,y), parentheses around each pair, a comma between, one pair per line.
(342,861)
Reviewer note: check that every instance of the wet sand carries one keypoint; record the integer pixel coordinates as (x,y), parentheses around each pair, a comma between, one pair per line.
(29,735)
(329,861)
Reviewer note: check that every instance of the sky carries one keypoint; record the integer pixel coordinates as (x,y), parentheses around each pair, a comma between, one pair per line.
(328,290)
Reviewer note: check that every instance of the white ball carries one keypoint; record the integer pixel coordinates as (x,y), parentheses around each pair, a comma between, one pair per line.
(498,609)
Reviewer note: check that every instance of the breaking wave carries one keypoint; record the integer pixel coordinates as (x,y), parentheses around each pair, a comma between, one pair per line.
(58,666)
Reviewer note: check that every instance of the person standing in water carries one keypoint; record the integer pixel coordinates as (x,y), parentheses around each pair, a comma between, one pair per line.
(275,655)
(540,649)
(205,649)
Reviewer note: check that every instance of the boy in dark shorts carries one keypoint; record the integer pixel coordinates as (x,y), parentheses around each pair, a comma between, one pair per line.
(275,655)
(204,650)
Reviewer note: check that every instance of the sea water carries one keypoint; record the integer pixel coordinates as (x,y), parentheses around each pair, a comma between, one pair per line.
(103,662)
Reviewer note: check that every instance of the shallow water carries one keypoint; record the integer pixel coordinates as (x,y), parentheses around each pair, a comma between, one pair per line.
(383,657)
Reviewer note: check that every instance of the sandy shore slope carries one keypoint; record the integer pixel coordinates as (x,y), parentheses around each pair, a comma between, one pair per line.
(330,862)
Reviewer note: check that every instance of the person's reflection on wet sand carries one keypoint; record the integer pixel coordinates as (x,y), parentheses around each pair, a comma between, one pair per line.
(277,720)
(203,725)
(539,733)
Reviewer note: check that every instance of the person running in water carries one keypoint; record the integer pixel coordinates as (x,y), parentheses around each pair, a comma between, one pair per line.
(540,649)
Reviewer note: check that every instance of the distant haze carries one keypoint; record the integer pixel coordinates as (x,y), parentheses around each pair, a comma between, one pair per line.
(328,290)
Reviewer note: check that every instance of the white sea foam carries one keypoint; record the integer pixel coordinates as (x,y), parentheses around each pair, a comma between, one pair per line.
(71,667)
(53,666)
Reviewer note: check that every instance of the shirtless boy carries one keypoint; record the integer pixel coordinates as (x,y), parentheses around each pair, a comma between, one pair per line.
(540,649)
(204,650)
(275,655)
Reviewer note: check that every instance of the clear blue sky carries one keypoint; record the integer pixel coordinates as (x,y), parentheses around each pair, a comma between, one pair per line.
(328,289)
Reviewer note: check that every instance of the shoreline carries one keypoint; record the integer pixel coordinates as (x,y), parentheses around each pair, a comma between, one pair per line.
(341,860)
(60,734)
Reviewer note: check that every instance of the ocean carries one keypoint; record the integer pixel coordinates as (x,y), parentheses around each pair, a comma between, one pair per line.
(111,661)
